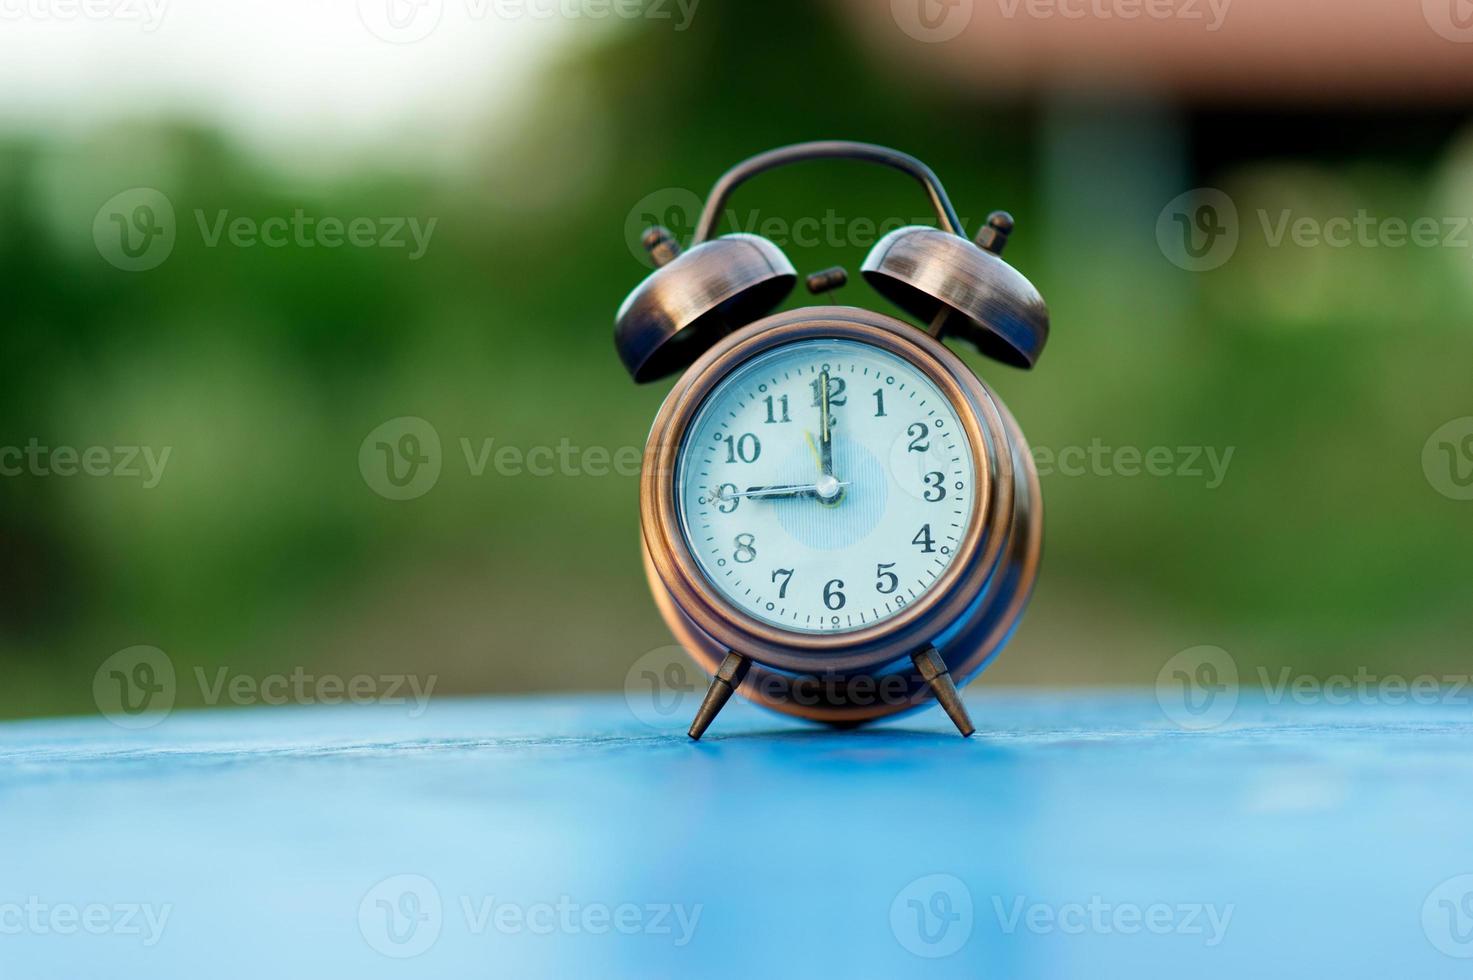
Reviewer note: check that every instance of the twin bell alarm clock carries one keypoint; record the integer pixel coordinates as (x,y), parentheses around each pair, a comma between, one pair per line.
(840,520)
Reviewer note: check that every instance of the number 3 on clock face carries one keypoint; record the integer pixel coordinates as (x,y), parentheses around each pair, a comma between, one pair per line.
(825,485)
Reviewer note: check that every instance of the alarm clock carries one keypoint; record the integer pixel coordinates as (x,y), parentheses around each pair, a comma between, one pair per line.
(840,520)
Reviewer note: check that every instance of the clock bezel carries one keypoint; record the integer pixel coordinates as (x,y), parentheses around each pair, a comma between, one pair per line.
(869,647)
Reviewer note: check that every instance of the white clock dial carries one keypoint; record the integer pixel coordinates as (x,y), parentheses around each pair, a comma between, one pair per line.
(823,535)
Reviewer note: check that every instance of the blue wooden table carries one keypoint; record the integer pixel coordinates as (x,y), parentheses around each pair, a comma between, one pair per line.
(1076,835)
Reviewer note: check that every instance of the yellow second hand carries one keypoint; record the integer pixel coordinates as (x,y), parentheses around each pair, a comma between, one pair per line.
(817,459)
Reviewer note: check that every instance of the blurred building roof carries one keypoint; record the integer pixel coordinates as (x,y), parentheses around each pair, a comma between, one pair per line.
(1229,50)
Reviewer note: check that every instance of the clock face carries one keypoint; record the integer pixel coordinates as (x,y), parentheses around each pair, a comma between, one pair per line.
(825,485)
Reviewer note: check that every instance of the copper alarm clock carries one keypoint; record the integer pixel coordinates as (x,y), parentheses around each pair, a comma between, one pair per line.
(840,520)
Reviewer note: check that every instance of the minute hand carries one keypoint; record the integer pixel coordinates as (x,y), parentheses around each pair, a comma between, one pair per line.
(805,490)
(825,438)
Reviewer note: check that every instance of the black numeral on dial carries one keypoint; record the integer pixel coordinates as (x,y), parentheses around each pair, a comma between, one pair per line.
(746,548)
(747,449)
(837,387)
(724,501)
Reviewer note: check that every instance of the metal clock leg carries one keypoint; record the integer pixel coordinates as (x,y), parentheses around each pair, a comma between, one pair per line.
(933,669)
(729,676)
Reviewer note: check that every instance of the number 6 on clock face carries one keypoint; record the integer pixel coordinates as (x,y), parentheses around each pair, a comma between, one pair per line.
(825,485)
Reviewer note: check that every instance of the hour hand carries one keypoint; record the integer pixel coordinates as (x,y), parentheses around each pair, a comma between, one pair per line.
(826,428)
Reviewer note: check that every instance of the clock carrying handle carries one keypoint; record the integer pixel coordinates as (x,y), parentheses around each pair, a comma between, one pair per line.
(826,150)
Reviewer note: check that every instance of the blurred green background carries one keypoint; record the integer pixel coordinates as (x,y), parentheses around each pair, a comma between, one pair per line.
(262,548)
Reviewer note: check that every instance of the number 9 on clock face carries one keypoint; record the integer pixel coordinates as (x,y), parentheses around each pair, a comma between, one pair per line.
(824,486)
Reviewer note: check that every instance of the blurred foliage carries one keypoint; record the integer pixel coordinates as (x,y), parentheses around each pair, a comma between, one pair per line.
(264,369)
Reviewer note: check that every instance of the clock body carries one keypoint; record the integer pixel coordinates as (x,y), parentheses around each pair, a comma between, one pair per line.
(827,492)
